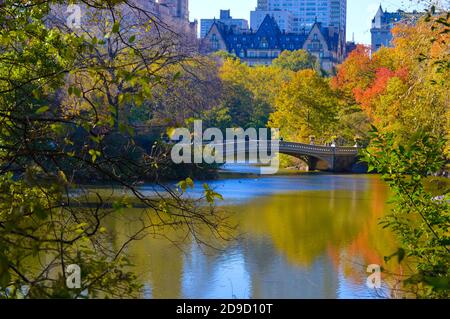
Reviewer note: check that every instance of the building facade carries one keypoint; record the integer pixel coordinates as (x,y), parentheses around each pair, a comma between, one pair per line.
(176,14)
(298,16)
(382,25)
(260,47)
(173,13)
(177,8)
(239,25)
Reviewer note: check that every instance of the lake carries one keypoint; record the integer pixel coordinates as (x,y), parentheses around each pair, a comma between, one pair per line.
(298,236)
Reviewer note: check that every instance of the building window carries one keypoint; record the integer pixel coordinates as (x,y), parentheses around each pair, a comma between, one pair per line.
(264,43)
(214,42)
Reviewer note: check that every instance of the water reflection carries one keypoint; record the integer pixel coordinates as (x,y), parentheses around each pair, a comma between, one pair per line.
(302,237)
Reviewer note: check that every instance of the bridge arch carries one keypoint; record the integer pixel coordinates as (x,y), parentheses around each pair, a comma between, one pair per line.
(313,162)
(337,159)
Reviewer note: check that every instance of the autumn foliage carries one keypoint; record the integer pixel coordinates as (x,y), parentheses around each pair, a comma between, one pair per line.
(365,97)
(403,88)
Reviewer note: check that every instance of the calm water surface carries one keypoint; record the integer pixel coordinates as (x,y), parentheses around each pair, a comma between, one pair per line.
(303,236)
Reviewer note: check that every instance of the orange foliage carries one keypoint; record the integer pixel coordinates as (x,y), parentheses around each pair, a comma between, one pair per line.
(356,71)
(364,78)
(382,76)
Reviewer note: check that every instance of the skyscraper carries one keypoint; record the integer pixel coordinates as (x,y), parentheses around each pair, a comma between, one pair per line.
(179,8)
(238,25)
(263,5)
(300,15)
(174,8)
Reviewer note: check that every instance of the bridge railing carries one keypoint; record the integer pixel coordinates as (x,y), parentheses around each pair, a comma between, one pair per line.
(298,147)
(319,149)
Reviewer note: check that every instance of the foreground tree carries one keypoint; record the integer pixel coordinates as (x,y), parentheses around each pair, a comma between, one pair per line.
(420,220)
(412,109)
(64,97)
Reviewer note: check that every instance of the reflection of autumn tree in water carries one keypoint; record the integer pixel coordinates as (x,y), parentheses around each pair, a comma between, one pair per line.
(159,258)
(371,244)
(306,225)
(340,224)
(155,261)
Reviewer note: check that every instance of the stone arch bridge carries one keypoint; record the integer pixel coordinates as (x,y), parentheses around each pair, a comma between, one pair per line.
(336,159)
(324,158)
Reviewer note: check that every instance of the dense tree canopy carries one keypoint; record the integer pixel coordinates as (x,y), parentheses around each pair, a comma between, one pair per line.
(408,101)
(72,102)
(65,100)
(401,89)
(296,60)
(306,106)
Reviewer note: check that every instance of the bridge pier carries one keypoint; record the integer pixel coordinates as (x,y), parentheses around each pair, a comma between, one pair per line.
(342,164)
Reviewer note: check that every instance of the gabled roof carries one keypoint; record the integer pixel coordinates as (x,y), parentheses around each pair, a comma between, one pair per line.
(333,40)
(269,27)
(269,36)
(222,28)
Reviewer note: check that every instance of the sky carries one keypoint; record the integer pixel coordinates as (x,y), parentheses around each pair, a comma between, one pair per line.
(359,12)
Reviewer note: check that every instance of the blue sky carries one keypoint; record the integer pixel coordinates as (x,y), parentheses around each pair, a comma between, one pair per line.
(359,12)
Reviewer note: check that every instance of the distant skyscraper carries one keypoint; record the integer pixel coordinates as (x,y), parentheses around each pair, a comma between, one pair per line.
(300,15)
(179,8)
(173,12)
(284,19)
(263,5)
(238,25)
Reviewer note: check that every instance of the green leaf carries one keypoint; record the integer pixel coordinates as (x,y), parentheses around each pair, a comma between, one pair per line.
(123,128)
(3,264)
(94,154)
(442,283)
(176,76)
(211,195)
(184,184)
(132,39)
(40,213)
(190,182)
(400,255)
(138,100)
(42,109)
(120,99)
(116,27)
(74,90)
(5,279)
